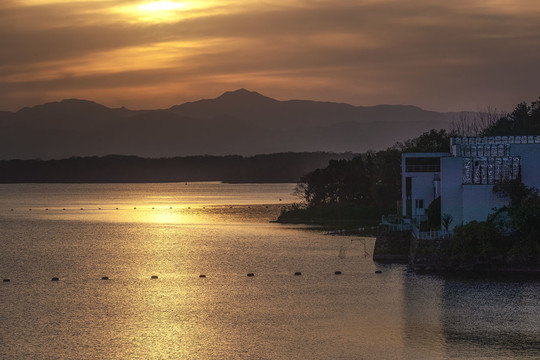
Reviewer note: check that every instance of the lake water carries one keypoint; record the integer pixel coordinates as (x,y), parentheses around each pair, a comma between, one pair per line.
(130,232)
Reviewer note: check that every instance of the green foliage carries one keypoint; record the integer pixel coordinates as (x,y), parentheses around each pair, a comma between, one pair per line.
(509,231)
(523,120)
(518,193)
(523,216)
(475,241)
(432,141)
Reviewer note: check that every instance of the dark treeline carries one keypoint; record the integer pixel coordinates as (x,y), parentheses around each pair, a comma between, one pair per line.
(281,167)
(370,184)
(523,120)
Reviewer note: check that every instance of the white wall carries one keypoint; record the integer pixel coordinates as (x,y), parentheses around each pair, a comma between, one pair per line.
(530,162)
(451,189)
(479,201)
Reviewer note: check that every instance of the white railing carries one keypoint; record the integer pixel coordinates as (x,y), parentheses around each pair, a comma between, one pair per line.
(395,223)
(431,235)
(399,227)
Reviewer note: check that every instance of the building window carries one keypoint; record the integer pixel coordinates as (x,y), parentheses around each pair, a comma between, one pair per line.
(408,196)
(419,203)
(422,164)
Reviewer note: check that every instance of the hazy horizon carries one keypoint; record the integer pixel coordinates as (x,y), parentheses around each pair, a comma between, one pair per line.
(248,90)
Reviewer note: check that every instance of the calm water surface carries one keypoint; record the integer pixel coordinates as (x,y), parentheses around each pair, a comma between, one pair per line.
(179,231)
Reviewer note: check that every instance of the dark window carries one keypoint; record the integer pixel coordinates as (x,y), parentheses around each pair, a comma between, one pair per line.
(420,204)
(408,195)
(423,164)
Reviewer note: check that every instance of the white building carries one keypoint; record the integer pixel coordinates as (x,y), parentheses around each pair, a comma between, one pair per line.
(464,178)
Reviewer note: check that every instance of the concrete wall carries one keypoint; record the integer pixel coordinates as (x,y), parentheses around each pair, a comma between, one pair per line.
(479,201)
(422,189)
(452,190)
(530,162)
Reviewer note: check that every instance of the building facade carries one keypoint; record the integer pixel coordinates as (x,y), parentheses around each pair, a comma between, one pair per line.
(464,177)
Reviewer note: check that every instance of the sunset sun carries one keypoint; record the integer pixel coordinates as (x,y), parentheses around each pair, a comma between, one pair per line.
(162,6)
(155,12)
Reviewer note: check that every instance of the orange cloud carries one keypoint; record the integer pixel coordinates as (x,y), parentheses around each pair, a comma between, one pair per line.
(138,53)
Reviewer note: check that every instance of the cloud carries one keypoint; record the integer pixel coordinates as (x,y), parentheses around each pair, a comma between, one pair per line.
(441,56)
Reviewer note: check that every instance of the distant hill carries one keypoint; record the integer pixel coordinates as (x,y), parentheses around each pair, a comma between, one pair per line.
(270,168)
(238,122)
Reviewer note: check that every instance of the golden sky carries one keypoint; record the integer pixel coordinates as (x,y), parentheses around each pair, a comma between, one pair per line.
(439,55)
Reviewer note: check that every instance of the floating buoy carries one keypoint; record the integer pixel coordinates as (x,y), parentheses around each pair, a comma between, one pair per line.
(116,208)
(105,278)
(378,272)
(99,208)
(55,279)
(153,277)
(202,276)
(298,273)
(64,209)
(46,209)
(134,208)
(250,274)
(29,209)
(337,273)
(82,209)
(6,280)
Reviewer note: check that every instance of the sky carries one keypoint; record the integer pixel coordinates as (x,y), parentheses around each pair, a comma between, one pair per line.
(439,55)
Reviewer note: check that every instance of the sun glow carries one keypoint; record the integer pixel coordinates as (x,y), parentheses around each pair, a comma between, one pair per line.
(163,6)
(158,11)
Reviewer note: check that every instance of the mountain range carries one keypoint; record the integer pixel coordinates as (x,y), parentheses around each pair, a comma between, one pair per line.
(237,122)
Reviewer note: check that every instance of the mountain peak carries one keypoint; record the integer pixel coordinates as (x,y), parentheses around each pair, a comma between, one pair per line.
(66,105)
(243,94)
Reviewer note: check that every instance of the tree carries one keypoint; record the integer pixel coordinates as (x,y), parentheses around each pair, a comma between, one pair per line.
(523,215)
(446,220)
(475,241)
(524,120)
(432,141)
(473,124)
